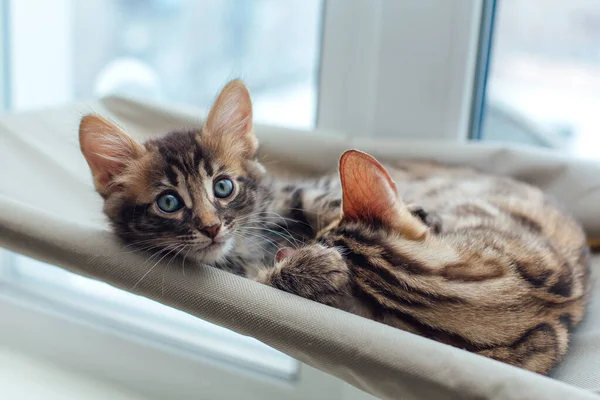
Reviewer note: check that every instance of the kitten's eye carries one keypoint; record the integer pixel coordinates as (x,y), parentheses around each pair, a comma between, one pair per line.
(223,188)
(169,203)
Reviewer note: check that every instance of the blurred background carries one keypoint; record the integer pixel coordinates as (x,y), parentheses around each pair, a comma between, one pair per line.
(539,58)
(523,72)
(174,50)
(543,85)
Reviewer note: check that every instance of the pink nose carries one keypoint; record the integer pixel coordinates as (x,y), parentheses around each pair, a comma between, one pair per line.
(211,231)
(284,253)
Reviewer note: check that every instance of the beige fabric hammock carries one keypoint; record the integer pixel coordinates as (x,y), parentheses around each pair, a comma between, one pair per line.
(49,211)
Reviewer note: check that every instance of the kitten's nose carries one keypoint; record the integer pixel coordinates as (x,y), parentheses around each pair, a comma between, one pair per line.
(211,231)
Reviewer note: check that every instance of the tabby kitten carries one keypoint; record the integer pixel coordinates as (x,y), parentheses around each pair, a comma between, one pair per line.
(493,267)
(200,194)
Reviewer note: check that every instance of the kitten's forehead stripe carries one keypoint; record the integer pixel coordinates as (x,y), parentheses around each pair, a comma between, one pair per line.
(198,154)
(171,173)
(175,149)
(208,167)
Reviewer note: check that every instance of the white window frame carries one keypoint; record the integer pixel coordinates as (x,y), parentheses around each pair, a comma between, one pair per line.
(359,79)
(366,88)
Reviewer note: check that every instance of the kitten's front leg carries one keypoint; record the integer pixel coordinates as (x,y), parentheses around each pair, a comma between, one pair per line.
(313,272)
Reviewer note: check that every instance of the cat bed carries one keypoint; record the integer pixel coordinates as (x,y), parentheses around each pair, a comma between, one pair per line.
(49,211)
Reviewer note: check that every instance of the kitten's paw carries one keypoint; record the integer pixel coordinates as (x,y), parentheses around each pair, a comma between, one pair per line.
(313,272)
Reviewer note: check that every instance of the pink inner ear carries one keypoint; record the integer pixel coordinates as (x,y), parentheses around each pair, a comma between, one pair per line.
(106,148)
(230,120)
(232,111)
(368,191)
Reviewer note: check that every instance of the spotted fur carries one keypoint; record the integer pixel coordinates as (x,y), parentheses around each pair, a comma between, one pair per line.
(483,263)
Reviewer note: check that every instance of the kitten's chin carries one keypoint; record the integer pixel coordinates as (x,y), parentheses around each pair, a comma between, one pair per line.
(215,252)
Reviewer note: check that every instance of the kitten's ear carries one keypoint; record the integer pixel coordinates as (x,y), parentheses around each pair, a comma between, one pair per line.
(230,120)
(369,194)
(107,149)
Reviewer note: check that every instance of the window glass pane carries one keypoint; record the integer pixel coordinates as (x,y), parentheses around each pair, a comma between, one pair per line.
(185,51)
(544,81)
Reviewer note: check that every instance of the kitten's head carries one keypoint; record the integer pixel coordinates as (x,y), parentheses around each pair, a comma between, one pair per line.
(185,192)
(370,198)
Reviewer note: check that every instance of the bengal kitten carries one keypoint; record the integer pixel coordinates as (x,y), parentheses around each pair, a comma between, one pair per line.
(200,194)
(493,266)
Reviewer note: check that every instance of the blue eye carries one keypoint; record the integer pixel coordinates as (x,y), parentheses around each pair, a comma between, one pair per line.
(169,203)
(223,188)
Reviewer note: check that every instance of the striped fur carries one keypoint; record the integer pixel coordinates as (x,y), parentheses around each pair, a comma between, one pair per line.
(483,263)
